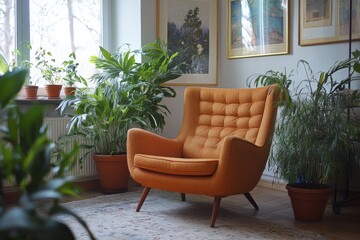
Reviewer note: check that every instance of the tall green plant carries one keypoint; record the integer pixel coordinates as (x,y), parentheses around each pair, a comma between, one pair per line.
(127,93)
(315,132)
(25,160)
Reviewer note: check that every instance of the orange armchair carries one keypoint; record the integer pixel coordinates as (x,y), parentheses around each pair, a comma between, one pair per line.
(221,149)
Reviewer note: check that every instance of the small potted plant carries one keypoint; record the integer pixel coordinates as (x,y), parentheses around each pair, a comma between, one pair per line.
(30,85)
(127,93)
(314,134)
(71,75)
(50,72)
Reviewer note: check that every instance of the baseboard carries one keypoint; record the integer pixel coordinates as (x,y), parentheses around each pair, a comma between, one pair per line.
(86,183)
(271,184)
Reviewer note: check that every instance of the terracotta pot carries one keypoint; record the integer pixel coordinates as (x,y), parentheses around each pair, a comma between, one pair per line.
(113,172)
(31,92)
(69,91)
(308,204)
(53,91)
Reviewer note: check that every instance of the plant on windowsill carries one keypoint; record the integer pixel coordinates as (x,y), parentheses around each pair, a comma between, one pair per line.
(25,160)
(4,65)
(126,94)
(30,85)
(71,76)
(50,72)
(314,134)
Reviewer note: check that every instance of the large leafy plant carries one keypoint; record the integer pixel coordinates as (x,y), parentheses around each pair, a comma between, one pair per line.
(316,128)
(127,93)
(26,161)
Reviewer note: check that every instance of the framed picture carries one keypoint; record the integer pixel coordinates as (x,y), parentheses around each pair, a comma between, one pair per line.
(257,28)
(327,21)
(190,28)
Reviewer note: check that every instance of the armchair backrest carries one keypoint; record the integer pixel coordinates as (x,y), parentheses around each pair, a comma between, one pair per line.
(211,114)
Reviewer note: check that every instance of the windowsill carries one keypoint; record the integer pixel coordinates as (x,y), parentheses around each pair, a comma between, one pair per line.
(50,105)
(38,100)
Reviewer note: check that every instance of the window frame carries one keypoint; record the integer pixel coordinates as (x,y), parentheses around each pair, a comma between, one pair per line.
(22,25)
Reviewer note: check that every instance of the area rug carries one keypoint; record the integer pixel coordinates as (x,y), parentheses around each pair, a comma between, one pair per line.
(165,216)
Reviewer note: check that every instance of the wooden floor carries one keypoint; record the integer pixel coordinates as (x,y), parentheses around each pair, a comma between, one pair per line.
(275,207)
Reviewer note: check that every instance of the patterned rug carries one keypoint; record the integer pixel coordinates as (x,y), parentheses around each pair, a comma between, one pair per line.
(165,216)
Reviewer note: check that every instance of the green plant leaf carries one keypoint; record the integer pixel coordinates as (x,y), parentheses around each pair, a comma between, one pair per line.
(357,67)
(52,229)
(4,66)
(11,83)
(58,209)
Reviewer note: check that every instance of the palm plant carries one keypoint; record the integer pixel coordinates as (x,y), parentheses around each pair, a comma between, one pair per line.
(126,94)
(314,134)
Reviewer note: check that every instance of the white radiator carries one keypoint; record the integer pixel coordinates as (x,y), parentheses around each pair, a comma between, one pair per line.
(86,171)
(57,128)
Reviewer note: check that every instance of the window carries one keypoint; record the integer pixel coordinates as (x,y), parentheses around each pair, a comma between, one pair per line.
(59,26)
(7,28)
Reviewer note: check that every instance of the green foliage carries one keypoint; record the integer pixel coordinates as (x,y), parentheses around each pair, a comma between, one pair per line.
(315,132)
(283,80)
(25,160)
(13,65)
(127,94)
(46,63)
(69,70)
(4,66)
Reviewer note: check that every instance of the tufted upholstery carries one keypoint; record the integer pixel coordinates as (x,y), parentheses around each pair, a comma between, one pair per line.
(222,113)
(221,149)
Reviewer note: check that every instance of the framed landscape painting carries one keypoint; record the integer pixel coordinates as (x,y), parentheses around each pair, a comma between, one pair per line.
(257,28)
(189,27)
(328,21)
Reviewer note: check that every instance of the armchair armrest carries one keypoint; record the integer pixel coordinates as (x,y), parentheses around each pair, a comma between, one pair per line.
(145,142)
(241,165)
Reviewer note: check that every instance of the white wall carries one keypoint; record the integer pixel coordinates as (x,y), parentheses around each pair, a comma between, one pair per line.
(126,16)
(234,72)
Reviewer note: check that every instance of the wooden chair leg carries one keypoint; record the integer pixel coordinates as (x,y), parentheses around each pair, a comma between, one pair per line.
(251,200)
(183,198)
(143,197)
(216,206)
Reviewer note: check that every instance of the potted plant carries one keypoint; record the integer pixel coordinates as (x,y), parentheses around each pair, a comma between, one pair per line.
(314,135)
(127,93)
(30,85)
(50,72)
(25,159)
(71,76)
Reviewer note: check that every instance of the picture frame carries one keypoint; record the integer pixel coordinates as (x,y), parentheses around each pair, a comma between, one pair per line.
(190,27)
(327,21)
(257,28)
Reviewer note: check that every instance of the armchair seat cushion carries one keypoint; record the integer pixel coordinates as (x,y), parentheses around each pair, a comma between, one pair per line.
(176,166)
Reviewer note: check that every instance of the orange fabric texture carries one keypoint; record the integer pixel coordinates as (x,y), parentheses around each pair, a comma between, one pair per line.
(221,149)
(177,166)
